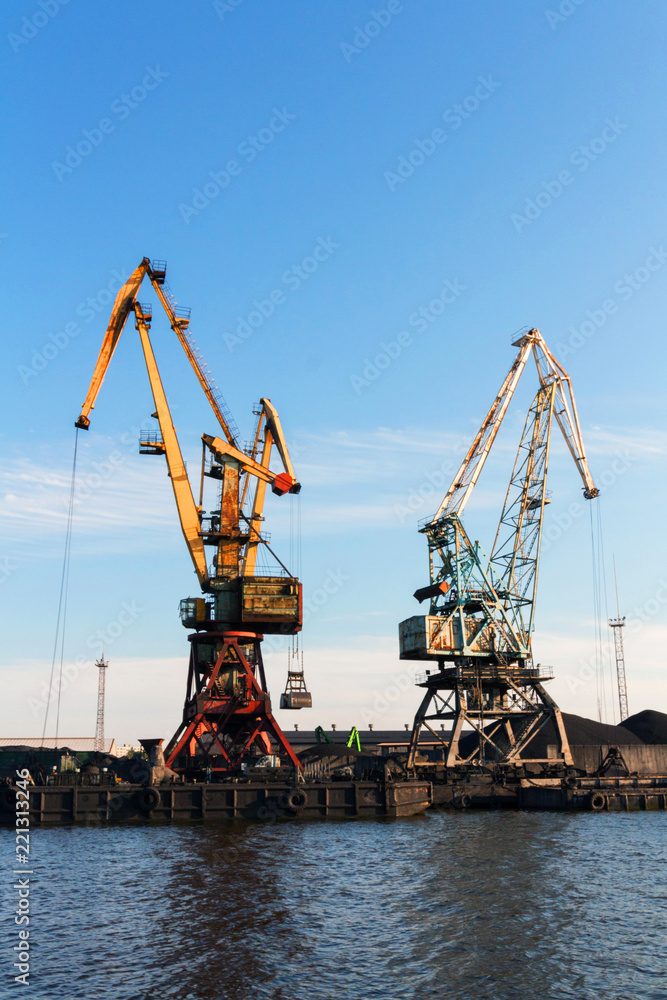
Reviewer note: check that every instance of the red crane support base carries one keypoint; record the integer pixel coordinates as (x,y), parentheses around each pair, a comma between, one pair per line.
(227,718)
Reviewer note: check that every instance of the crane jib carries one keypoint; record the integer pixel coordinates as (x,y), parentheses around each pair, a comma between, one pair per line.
(482,608)
(228,709)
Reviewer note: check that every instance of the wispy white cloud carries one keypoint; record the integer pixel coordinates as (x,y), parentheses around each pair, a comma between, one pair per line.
(132,697)
(114,497)
(350,482)
(644,442)
(575,662)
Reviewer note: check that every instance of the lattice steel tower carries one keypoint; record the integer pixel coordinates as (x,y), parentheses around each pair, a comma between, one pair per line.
(101,665)
(616,625)
(478,631)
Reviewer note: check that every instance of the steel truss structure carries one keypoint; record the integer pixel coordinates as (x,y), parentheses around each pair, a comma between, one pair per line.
(482,610)
(227,716)
(102,666)
(617,625)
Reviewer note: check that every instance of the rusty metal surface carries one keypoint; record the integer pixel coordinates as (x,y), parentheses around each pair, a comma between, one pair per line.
(594,794)
(264,802)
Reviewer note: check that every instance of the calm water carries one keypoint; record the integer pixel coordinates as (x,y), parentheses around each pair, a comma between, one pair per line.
(510,906)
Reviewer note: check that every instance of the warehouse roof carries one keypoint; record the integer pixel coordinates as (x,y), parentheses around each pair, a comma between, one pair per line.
(367,737)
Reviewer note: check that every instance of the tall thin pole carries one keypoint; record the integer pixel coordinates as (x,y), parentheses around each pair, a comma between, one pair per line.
(101,665)
(617,624)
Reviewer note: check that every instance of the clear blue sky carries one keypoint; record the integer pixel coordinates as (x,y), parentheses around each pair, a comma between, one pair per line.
(512,151)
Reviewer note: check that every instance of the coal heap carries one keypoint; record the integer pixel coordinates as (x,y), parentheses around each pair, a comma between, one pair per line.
(588,732)
(648,726)
(580,732)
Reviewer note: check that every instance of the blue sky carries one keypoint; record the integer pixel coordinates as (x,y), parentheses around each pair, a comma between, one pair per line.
(494,166)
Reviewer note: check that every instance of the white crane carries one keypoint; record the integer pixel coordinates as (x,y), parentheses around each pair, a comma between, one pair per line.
(479,627)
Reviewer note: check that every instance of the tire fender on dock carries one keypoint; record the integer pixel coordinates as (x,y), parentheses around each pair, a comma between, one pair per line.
(296,801)
(7,798)
(148,799)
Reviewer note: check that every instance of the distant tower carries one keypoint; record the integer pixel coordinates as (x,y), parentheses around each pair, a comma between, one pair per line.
(617,624)
(101,665)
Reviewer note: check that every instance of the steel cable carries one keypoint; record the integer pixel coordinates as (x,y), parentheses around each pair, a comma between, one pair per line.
(62,603)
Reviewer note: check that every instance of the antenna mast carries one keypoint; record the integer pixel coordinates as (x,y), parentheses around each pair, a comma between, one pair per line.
(101,665)
(616,624)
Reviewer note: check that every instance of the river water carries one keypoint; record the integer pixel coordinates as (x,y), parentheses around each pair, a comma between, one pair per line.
(509,906)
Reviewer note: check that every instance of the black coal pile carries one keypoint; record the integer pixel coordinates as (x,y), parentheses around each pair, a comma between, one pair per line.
(580,732)
(648,726)
(588,732)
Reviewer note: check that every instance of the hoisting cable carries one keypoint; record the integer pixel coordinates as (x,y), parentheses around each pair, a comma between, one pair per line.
(595,618)
(266,545)
(295,645)
(299,554)
(62,603)
(598,588)
(291,645)
(610,652)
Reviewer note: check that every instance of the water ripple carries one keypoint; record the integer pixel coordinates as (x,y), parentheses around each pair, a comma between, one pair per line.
(505,906)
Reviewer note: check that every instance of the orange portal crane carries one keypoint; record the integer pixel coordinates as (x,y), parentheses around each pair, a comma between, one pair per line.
(227,716)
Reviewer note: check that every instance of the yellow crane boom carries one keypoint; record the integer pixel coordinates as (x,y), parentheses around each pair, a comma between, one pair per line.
(179,320)
(237,545)
(189,513)
(121,310)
